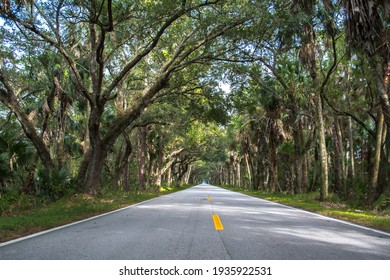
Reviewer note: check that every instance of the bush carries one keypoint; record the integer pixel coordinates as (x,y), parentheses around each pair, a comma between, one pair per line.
(12,202)
(56,184)
(382,204)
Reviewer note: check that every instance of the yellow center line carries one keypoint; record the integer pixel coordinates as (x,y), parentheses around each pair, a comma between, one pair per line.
(217,222)
(209,198)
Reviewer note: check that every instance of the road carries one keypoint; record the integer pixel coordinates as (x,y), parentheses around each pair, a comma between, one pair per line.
(204,222)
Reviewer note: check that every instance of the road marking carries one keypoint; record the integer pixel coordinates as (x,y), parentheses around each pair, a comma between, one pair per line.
(209,198)
(217,222)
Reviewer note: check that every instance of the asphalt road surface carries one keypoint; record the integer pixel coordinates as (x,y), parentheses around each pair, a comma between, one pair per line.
(204,222)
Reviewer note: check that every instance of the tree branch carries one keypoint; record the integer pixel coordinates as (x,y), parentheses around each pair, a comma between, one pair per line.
(347,114)
(127,68)
(58,45)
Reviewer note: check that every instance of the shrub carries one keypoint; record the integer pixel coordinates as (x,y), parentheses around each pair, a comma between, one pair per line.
(56,184)
(382,204)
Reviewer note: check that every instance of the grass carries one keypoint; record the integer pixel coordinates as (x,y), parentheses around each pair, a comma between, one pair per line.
(21,218)
(333,207)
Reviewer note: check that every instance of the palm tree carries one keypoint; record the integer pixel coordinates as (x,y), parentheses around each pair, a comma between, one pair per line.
(367,30)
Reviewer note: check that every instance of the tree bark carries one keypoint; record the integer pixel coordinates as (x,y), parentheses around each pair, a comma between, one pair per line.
(337,158)
(29,181)
(122,163)
(98,153)
(352,171)
(343,165)
(274,186)
(377,158)
(150,174)
(188,175)
(62,115)
(238,169)
(95,168)
(159,161)
(305,158)
(298,161)
(141,172)
(322,147)
(382,83)
(248,167)
(229,182)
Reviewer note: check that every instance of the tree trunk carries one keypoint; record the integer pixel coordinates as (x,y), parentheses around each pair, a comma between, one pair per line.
(340,134)
(238,169)
(305,157)
(221,176)
(382,83)
(343,165)
(95,160)
(298,161)
(315,168)
(95,167)
(9,99)
(188,175)
(351,166)
(351,173)
(159,161)
(62,110)
(229,182)
(86,143)
(337,158)
(386,186)
(29,182)
(169,175)
(323,152)
(150,174)
(274,186)
(377,158)
(126,183)
(122,162)
(246,157)
(141,172)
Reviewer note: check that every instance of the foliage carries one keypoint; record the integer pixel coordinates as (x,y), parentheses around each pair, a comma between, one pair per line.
(56,184)
(382,204)
(88,90)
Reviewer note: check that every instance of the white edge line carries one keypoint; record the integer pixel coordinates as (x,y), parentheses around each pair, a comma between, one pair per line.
(79,222)
(318,215)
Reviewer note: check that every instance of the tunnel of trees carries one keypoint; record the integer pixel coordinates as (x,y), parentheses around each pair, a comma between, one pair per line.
(274,95)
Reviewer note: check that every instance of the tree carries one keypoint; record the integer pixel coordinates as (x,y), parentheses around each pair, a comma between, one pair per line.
(367,31)
(104,45)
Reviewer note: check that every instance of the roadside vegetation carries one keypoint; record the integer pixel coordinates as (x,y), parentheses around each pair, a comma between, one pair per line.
(378,217)
(21,215)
